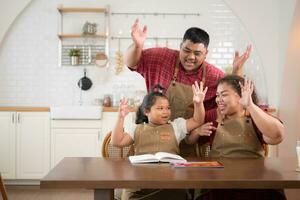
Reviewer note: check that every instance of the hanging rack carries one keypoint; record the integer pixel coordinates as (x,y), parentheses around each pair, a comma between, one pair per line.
(153,38)
(155,13)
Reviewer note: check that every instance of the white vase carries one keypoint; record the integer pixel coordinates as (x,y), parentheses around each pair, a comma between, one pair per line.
(74,60)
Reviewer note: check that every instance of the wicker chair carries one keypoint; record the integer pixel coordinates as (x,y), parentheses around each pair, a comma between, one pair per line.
(2,189)
(109,151)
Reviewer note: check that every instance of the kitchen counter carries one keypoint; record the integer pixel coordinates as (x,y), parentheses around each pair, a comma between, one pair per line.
(116,109)
(25,109)
(105,109)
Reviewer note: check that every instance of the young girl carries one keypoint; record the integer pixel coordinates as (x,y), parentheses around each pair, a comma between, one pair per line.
(155,132)
(242,130)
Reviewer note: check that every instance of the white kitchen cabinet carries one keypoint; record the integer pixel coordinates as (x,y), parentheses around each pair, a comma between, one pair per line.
(74,138)
(109,120)
(7,145)
(25,144)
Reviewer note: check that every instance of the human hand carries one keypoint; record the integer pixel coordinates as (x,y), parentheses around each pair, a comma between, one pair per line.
(138,35)
(206,129)
(238,61)
(123,108)
(247,90)
(199,93)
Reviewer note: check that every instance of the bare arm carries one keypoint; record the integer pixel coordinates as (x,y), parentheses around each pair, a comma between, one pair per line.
(119,138)
(204,130)
(134,52)
(271,128)
(199,110)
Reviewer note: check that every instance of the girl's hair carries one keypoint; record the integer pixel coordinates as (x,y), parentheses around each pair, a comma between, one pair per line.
(148,101)
(234,81)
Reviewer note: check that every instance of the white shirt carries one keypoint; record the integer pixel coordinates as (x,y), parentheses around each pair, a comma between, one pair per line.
(179,126)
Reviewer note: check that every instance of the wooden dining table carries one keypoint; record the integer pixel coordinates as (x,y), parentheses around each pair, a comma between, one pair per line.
(103,175)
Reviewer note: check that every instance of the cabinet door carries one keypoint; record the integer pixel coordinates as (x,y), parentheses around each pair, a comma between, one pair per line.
(68,142)
(33,144)
(109,121)
(7,145)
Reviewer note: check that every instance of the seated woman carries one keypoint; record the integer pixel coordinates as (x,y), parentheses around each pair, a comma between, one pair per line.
(241,130)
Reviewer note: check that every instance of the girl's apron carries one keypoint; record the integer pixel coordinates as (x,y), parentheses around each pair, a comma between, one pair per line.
(152,139)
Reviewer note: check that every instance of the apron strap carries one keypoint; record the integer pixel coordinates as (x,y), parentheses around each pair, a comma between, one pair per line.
(176,70)
(203,65)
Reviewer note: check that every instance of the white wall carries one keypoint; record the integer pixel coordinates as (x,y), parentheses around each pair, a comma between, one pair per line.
(29,74)
(289,109)
(9,10)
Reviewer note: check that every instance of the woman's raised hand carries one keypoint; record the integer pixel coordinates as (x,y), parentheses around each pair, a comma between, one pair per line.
(247,90)
(123,108)
(199,92)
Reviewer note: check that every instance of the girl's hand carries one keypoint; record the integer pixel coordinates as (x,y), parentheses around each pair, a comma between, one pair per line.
(138,35)
(199,93)
(123,108)
(247,90)
(206,129)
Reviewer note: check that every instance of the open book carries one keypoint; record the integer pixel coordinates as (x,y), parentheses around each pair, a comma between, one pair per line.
(158,157)
(205,164)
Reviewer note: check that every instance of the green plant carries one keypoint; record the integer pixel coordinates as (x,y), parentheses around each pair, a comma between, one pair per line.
(74,52)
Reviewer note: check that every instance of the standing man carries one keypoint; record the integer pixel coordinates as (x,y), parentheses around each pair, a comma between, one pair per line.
(176,71)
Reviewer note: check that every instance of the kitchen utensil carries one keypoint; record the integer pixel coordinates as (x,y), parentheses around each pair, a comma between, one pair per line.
(101,59)
(85,83)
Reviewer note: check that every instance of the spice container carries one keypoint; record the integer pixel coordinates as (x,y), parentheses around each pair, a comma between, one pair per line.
(107,101)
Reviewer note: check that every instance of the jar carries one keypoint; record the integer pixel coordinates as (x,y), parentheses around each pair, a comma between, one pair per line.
(107,101)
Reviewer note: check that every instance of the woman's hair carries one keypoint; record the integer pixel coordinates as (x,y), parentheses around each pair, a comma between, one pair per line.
(234,81)
(148,101)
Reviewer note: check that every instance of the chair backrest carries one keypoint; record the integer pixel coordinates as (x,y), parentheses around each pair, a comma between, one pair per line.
(2,189)
(109,151)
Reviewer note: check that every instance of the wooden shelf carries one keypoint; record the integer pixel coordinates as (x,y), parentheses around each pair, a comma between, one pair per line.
(73,9)
(62,35)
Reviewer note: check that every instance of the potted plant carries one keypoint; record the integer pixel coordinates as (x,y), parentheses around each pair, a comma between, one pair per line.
(74,55)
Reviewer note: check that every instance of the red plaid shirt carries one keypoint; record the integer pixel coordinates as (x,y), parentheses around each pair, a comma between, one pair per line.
(157,66)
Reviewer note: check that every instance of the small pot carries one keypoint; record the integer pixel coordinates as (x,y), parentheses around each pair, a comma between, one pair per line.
(85,83)
(74,60)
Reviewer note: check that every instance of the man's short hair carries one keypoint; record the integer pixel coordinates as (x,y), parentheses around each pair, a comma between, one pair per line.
(196,35)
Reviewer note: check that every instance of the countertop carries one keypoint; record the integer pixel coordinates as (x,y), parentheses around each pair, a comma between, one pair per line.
(47,109)
(105,109)
(24,109)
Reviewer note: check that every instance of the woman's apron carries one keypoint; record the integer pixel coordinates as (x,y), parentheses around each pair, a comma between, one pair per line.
(236,138)
(181,101)
(152,139)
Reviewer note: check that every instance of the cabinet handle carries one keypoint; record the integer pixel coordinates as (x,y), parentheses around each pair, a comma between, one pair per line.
(19,118)
(13,118)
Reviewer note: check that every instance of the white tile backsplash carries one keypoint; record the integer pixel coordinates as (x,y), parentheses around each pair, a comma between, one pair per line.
(29,71)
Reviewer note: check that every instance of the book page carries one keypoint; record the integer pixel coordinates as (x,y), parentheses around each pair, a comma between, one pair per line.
(169,157)
(143,158)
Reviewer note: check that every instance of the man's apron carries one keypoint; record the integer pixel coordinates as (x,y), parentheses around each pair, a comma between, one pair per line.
(181,101)
(236,138)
